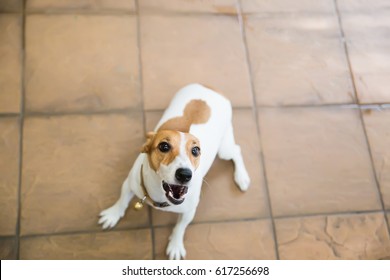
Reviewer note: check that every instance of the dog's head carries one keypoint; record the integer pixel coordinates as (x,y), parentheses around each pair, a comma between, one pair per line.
(174,156)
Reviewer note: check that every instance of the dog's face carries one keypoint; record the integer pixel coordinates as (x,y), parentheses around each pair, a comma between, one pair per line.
(174,156)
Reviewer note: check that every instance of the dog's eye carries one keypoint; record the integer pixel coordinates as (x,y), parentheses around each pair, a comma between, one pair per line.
(164,147)
(195,151)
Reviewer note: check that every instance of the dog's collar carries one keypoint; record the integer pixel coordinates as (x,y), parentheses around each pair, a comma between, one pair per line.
(140,204)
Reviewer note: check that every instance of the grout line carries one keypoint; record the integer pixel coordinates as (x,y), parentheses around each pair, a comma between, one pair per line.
(162,12)
(156,12)
(255,113)
(7,236)
(21,126)
(367,140)
(324,214)
(10,13)
(375,106)
(79,232)
(84,113)
(330,105)
(70,12)
(346,52)
(141,93)
(124,229)
(126,12)
(9,115)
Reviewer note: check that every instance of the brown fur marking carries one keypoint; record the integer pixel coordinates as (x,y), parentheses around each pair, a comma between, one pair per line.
(155,156)
(191,142)
(196,112)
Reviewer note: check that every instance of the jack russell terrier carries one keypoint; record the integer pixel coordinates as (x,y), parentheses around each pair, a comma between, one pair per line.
(169,172)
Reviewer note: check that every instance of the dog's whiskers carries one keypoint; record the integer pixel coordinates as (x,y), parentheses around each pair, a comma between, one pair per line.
(207,183)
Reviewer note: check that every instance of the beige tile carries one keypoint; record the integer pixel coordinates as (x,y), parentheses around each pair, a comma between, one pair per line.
(10,63)
(363,6)
(388,221)
(317,161)
(119,245)
(179,50)
(73,168)
(274,6)
(221,199)
(11,6)
(222,241)
(8,248)
(377,124)
(298,59)
(123,5)
(368,44)
(209,6)
(81,62)
(9,173)
(362,236)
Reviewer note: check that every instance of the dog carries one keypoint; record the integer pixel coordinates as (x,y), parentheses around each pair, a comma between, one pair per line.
(168,173)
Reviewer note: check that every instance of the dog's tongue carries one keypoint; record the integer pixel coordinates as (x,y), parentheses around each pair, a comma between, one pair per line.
(177,190)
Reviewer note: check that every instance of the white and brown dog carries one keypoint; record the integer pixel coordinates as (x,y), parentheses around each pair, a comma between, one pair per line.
(169,172)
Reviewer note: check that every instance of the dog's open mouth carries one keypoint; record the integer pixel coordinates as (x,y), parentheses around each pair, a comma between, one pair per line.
(175,193)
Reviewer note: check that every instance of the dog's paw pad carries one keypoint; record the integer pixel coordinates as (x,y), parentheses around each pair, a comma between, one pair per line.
(110,217)
(175,250)
(242,179)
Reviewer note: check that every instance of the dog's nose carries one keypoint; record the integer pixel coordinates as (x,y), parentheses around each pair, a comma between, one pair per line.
(183,175)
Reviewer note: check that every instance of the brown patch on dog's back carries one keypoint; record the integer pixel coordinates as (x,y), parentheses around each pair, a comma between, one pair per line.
(196,112)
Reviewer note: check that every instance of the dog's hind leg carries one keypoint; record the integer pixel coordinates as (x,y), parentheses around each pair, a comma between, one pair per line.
(175,249)
(110,216)
(229,150)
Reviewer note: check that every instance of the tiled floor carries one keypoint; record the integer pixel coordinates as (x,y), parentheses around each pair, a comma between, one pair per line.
(82,81)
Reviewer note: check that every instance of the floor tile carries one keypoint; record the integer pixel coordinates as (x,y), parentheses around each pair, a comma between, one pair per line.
(10,63)
(362,236)
(124,5)
(368,44)
(317,161)
(365,6)
(8,248)
(252,240)
(274,6)
(11,6)
(298,59)
(9,170)
(221,199)
(388,218)
(194,6)
(202,49)
(117,245)
(377,124)
(73,168)
(81,63)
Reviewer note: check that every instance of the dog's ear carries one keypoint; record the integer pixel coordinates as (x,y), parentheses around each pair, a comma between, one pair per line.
(149,140)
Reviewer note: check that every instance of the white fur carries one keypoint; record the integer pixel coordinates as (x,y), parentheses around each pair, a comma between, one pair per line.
(215,136)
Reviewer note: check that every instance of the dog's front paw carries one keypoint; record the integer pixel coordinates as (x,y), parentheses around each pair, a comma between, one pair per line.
(242,179)
(110,216)
(175,249)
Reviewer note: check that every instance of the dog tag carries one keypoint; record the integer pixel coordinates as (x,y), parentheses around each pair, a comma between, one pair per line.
(139,204)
